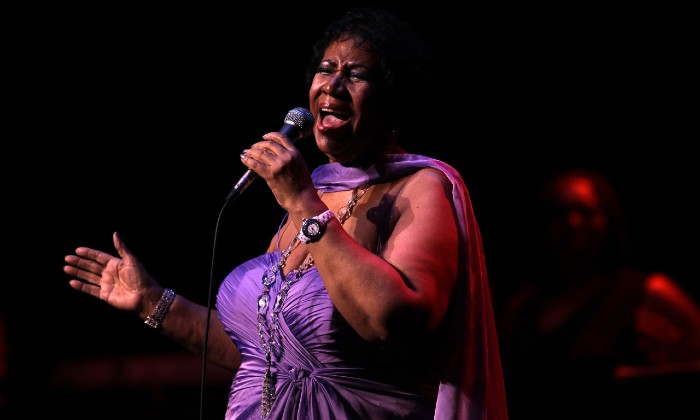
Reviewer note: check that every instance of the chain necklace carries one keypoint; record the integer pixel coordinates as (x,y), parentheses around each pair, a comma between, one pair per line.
(270,337)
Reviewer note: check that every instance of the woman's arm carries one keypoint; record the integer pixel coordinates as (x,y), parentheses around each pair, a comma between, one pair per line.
(124,283)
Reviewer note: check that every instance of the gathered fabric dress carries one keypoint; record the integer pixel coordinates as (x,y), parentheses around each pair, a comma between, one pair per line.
(324,370)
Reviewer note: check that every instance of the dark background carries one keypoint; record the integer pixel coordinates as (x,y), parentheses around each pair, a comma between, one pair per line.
(132,119)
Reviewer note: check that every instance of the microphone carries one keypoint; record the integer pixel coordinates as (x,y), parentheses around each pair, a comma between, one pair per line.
(298,123)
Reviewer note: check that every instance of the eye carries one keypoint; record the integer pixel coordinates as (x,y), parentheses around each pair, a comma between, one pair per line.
(324,70)
(358,76)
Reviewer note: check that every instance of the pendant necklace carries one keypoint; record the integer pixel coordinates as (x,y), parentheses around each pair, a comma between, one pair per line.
(270,332)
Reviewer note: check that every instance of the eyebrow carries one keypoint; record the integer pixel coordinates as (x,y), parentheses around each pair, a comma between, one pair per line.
(349,65)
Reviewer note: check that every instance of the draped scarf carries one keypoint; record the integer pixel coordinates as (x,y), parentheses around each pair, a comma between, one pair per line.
(471,382)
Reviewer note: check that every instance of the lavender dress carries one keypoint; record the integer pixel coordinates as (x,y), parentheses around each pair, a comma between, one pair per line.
(326,371)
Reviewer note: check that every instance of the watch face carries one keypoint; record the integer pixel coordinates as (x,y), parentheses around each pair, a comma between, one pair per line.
(312,228)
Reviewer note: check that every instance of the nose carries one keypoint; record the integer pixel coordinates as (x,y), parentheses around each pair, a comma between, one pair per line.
(335,84)
(574,219)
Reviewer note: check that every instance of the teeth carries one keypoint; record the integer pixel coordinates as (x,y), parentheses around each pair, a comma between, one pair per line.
(333,111)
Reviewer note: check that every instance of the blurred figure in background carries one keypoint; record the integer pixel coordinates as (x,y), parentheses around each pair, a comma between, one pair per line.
(584,321)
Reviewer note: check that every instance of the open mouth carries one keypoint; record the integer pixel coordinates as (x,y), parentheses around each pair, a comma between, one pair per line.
(324,112)
(331,117)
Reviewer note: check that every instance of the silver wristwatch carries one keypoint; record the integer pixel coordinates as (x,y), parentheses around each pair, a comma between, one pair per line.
(312,229)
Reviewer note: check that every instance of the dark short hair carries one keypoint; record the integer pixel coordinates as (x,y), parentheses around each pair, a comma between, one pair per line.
(405,60)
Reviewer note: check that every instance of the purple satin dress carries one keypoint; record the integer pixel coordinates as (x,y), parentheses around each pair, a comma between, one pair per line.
(326,371)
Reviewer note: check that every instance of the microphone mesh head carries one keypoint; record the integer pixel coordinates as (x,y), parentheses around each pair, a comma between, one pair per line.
(302,118)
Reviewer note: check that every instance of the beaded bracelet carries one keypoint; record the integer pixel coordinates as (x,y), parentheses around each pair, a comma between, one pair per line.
(156,318)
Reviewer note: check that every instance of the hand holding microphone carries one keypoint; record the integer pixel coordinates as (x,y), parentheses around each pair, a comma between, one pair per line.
(298,123)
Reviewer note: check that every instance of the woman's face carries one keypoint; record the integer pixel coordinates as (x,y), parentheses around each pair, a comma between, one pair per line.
(579,223)
(347,103)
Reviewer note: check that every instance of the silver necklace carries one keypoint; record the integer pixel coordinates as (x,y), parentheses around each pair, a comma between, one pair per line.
(269,331)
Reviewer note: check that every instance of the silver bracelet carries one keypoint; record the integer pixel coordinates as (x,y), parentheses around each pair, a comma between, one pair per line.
(156,318)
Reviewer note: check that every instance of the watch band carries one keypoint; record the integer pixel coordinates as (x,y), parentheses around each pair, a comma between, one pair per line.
(312,229)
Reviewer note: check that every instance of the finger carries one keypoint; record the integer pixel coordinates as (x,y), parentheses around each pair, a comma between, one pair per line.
(263,153)
(278,140)
(251,159)
(88,288)
(87,264)
(271,147)
(269,143)
(122,249)
(83,269)
(93,254)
